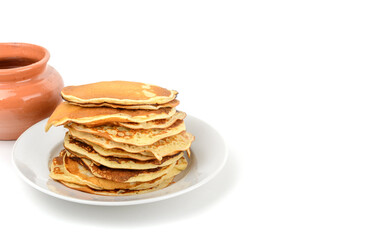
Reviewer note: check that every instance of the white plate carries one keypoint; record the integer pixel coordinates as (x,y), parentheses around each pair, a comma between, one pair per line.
(34,149)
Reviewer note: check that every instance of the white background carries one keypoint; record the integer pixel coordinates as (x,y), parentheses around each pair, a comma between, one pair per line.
(285,82)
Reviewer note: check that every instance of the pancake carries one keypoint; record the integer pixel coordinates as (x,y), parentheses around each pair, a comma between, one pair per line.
(128,175)
(84,179)
(171,104)
(138,137)
(164,147)
(57,170)
(77,168)
(66,113)
(118,192)
(117,175)
(158,123)
(83,150)
(118,92)
(76,145)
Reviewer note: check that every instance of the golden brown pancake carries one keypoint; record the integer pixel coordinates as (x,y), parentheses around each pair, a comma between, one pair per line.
(118,92)
(127,175)
(75,175)
(164,147)
(117,175)
(117,192)
(83,150)
(76,145)
(76,167)
(138,137)
(66,113)
(158,123)
(171,104)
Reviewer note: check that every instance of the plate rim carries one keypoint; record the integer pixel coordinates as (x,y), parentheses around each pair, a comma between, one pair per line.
(123,203)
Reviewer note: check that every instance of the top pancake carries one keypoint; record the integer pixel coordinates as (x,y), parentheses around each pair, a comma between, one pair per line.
(118,92)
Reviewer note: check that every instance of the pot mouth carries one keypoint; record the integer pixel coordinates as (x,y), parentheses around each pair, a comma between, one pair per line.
(20,61)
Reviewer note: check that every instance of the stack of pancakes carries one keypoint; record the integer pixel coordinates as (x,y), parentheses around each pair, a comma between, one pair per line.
(123,138)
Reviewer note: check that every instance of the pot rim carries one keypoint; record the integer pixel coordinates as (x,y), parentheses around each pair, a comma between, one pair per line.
(24,72)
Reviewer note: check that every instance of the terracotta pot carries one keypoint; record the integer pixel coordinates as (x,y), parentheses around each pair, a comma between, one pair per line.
(29,88)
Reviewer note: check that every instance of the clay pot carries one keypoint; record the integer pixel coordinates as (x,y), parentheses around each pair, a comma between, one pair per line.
(29,88)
